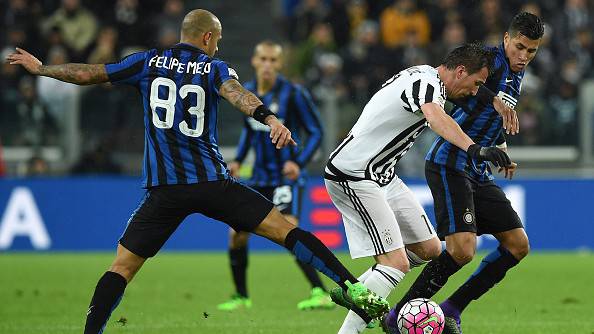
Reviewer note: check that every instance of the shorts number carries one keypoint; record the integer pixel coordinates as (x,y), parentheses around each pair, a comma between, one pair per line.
(169,106)
(282,195)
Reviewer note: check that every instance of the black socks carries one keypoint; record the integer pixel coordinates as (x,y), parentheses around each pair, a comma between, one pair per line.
(107,296)
(238,259)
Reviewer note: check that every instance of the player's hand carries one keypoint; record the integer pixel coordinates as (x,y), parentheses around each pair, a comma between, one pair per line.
(509,170)
(511,124)
(291,170)
(234,167)
(279,134)
(497,156)
(24,58)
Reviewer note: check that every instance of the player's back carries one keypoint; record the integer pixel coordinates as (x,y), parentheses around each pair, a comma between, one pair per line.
(387,127)
(180,91)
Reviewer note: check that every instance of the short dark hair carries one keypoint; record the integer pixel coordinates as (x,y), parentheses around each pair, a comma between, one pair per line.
(526,24)
(473,56)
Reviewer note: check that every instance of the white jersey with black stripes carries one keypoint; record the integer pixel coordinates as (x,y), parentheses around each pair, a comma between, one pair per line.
(388,126)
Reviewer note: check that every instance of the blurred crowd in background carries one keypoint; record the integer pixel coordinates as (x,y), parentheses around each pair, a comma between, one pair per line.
(346,47)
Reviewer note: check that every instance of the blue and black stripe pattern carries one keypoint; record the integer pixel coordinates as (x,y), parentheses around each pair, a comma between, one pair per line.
(479,120)
(180,93)
(294,107)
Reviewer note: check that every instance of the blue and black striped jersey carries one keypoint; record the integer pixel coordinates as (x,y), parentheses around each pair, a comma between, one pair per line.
(293,106)
(180,95)
(479,120)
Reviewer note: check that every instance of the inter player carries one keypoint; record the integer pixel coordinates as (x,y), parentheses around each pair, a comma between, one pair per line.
(184,172)
(277,174)
(380,214)
(467,201)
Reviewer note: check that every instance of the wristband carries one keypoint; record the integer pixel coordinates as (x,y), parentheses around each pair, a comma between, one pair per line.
(261,113)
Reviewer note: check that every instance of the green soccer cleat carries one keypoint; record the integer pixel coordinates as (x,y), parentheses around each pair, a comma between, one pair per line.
(451,326)
(318,300)
(367,300)
(236,302)
(340,297)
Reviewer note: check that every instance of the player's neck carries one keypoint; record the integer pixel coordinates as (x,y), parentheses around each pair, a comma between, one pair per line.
(264,86)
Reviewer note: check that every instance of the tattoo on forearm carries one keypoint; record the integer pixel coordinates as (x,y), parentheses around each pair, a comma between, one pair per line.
(81,74)
(240,97)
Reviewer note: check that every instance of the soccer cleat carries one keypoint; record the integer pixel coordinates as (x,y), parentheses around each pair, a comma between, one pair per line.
(340,297)
(389,323)
(452,323)
(236,302)
(452,326)
(367,300)
(319,299)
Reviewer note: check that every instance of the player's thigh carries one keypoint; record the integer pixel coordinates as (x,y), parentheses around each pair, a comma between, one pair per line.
(235,204)
(157,216)
(452,198)
(412,219)
(494,211)
(369,222)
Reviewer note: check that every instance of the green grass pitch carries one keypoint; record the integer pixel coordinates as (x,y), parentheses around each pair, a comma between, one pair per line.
(177,293)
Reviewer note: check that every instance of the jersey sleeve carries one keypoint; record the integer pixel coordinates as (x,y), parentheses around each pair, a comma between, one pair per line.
(128,70)
(309,120)
(222,72)
(423,90)
(245,141)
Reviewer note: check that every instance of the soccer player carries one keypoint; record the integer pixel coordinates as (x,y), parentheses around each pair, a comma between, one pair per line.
(277,174)
(380,214)
(467,201)
(184,172)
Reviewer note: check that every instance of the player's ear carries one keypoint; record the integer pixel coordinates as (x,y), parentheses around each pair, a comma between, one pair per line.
(506,38)
(206,37)
(460,71)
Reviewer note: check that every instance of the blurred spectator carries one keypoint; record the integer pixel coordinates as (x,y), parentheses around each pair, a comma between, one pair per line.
(338,19)
(97,161)
(167,24)
(357,12)
(443,13)
(574,16)
(564,106)
(77,25)
(401,20)
(306,14)
(304,56)
(367,64)
(35,126)
(453,35)
(105,48)
(37,166)
(59,97)
(488,22)
(127,18)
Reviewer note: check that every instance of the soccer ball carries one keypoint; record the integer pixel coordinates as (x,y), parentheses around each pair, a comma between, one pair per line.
(420,316)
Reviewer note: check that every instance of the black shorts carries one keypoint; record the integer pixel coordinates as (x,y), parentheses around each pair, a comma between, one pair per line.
(163,208)
(463,204)
(286,198)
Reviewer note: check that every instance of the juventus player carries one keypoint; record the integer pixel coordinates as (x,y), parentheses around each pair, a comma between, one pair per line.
(380,214)
(184,172)
(467,201)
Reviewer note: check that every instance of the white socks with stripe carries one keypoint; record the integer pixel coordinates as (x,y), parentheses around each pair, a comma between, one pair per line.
(379,279)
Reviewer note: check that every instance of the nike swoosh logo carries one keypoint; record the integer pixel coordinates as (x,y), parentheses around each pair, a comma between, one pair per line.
(89,310)
(432,318)
(508,80)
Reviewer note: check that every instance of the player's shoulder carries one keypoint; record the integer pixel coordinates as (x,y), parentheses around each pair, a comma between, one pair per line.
(424,72)
(224,68)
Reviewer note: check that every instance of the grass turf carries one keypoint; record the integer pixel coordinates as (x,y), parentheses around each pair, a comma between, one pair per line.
(178,293)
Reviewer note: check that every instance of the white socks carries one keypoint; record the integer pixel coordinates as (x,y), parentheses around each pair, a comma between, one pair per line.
(379,279)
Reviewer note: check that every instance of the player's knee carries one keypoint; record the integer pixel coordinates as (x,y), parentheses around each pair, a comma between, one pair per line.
(431,250)
(396,259)
(462,255)
(238,240)
(126,270)
(520,249)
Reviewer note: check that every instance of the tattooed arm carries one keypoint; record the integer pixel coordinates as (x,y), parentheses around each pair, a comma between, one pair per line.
(240,97)
(80,74)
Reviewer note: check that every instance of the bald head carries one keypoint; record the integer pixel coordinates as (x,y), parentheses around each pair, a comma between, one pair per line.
(198,22)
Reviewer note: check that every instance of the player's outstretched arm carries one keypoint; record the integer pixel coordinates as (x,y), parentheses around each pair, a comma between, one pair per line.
(250,104)
(446,127)
(80,74)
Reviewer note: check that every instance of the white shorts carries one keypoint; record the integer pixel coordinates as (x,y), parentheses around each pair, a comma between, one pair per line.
(378,219)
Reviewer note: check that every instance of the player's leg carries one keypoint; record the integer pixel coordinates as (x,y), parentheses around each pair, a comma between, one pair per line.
(371,230)
(252,212)
(238,261)
(287,199)
(454,212)
(151,224)
(495,216)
